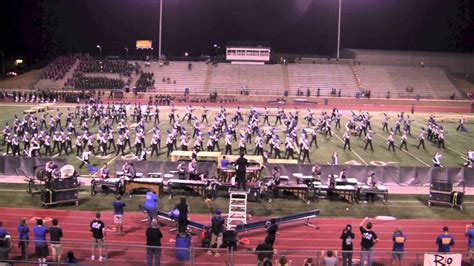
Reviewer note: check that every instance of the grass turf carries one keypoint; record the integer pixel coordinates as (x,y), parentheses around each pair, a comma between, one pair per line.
(400,206)
(457,143)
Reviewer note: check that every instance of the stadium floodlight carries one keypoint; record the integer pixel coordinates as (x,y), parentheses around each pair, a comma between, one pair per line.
(159,34)
(217,49)
(186,54)
(100,50)
(339,30)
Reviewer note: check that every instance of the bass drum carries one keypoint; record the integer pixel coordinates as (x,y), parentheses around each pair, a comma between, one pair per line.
(41,174)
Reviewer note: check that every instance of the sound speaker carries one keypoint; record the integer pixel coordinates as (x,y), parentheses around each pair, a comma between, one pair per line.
(442,186)
(442,197)
(65,195)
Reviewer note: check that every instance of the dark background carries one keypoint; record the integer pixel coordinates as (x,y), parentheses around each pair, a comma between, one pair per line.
(39,29)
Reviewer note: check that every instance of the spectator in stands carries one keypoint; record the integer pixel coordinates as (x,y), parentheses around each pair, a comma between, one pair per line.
(70,258)
(470,240)
(41,247)
(264,253)
(153,242)
(369,239)
(56,233)
(398,249)
(118,215)
(347,237)
(23,236)
(330,259)
(97,227)
(445,241)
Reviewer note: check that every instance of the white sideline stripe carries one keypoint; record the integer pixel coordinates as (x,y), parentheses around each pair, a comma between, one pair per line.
(352,150)
(455,151)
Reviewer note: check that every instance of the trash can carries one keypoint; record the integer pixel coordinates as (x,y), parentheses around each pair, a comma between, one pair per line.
(183,243)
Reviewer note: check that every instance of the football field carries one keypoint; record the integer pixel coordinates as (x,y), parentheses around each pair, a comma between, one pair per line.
(457,143)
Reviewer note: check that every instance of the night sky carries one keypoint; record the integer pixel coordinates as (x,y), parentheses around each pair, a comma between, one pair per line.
(39,29)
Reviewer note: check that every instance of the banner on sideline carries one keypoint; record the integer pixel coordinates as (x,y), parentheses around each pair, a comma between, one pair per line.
(453,259)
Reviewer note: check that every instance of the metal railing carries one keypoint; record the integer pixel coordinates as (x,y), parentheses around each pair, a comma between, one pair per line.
(133,253)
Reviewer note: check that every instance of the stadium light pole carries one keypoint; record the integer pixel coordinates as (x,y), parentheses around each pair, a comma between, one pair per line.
(100,50)
(339,30)
(126,52)
(159,35)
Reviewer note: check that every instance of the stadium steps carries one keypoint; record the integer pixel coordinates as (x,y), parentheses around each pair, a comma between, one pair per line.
(439,82)
(376,79)
(59,84)
(208,80)
(286,77)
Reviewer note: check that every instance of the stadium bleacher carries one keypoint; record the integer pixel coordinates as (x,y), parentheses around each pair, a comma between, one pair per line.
(323,76)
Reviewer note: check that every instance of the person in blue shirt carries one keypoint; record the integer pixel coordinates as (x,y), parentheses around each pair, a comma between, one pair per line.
(23,235)
(445,241)
(470,240)
(399,240)
(224,163)
(3,231)
(41,247)
(118,215)
(151,202)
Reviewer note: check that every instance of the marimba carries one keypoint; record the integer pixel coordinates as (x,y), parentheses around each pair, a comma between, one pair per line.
(145,183)
(379,190)
(299,190)
(198,186)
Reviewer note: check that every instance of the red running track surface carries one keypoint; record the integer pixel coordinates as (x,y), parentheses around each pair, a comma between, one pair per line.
(295,240)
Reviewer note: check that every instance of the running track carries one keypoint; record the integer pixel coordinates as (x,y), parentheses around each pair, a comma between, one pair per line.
(295,240)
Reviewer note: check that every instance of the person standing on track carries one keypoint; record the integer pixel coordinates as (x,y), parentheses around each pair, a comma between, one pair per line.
(445,241)
(369,238)
(23,235)
(56,233)
(183,209)
(217,232)
(97,227)
(272,229)
(153,242)
(41,246)
(470,240)
(398,249)
(151,202)
(347,237)
(118,215)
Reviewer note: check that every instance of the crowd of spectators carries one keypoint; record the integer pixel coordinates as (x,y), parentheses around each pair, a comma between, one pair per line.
(83,82)
(145,81)
(123,67)
(59,67)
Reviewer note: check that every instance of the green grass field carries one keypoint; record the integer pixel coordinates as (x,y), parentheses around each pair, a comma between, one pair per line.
(457,143)
(400,206)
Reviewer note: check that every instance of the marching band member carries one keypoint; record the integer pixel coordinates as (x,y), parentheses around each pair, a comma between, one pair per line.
(368,140)
(228,144)
(390,142)
(385,122)
(437,159)
(421,139)
(85,158)
(104,171)
(305,149)
(335,158)
(403,142)
(316,170)
(347,140)
(192,167)
(441,139)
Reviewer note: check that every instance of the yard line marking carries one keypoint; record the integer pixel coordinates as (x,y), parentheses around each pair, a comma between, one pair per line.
(358,156)
(455,151)
(113,159)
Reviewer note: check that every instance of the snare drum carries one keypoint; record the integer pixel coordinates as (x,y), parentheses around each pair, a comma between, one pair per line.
(67,171)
